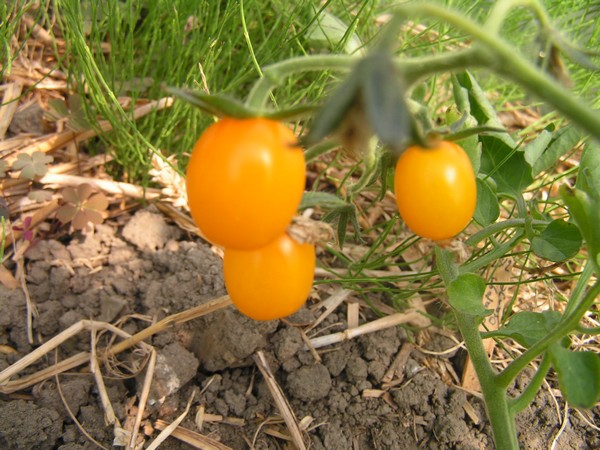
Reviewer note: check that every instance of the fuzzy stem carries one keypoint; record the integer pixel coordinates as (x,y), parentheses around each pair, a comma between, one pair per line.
(509,63)
(274,74)
(410,70)
(524,400)
(494,228)
(496,400)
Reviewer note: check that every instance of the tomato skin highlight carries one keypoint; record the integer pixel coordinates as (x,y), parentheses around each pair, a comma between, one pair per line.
(435,190)
(270,282)
(245,180)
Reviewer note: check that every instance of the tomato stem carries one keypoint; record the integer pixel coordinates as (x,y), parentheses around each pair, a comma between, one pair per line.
(496,400)
(504,60)
(524,400)
(274,74)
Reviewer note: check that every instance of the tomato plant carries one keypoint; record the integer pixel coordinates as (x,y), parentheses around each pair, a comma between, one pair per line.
(435,189)
(245,179)
(270,282)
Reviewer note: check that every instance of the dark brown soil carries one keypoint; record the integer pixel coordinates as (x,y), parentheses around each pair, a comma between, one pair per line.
(142,265)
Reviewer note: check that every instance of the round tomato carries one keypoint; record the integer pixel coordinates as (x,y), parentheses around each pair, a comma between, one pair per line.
(245,180)
(435,190)
(270,282)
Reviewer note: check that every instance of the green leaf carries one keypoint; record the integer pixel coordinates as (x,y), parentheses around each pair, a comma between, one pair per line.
(466,295)
(578,375)
(588,179)
(343,216)
(562,142)
(32,166)
(487,210)
(335,109)
(479,106)
(337,211)
(222,105)
(217,105)
(468,139)
(327,31)
(290,114)
(534,149)
(527,327)
(585,211)
(461,95)
(384,102)
(505,164)
(323,199)
(559,241)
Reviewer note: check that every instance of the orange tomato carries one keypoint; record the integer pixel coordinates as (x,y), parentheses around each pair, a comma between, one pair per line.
(245,180)
(270,282)
(435,190)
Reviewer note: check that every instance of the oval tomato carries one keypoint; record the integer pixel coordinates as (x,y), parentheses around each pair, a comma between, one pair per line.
(270,282)
(435,190)
(245,180)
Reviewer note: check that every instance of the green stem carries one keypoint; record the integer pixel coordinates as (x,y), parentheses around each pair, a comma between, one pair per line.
(566,325)
(414,69)
(274,74)
(492,256)
(579,290)
(501,9)
(524,400)
(589,331)
(411,70)
(496,400)
(509,63)
(494,228)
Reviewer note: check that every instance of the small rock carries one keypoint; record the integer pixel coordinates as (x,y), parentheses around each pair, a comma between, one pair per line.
(149,231)
(336,361)
(356,369)
(28,120)
(310,383)
(50,313)
(287,342)
(110,307)
(175,366)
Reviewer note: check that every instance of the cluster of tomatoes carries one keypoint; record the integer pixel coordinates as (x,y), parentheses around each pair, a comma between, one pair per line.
(245,180)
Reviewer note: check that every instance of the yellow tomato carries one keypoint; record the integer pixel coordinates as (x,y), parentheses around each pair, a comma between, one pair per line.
(270,282)
(245,180)
(435,190)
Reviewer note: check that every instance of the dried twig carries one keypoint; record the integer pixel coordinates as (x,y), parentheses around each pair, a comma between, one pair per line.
(164,434)
(192,438)
(73,417)
(412,317)
(143,398)
(280,401)
(7,386)
(108,186)
(330,305)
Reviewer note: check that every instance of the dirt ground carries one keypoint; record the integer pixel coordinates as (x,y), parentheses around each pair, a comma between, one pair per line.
(142,266)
